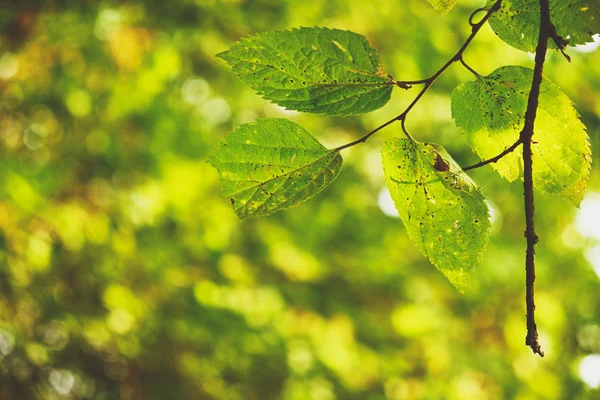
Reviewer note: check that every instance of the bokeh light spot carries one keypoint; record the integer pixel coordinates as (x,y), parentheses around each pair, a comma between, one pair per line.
(386,203)
(589,370)
(62,381)
(9,66)
(593,257)
(79,103)
(588,216)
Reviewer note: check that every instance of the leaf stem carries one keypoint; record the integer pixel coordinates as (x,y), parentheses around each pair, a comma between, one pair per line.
(497,158)
(429,81)
(365,137)
(408,135)
(471,70)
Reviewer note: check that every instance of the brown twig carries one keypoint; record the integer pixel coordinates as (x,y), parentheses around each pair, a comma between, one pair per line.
(475,27)
(546,30)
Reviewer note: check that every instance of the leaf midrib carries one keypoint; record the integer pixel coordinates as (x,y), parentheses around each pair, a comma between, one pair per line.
(287,174)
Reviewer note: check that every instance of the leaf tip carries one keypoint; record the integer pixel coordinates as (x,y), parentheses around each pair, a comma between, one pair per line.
(224,55)
(443,7)
(575,198)
(241,216)
(458,278)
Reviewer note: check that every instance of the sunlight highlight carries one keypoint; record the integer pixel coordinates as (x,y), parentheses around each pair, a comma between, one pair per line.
(386,203)
(589,370)
(588,47)
(495,216)
(588,216)
(593,257)
(9,66)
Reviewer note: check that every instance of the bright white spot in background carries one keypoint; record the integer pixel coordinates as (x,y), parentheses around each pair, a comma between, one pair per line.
(495,216)
(588,47)
(588,217)
(9,65)
(107,24)
(32,139)
(289,113)
(216,111)
(7,342)
(62,381)
(273,110)
(589,370)
(593,257)
(386,203)
(195,91)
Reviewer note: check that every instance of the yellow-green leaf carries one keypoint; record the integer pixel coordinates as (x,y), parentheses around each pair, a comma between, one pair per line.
(518,21)
(442,209)
(317,70)
(271,165)
(443,6)
(491,111)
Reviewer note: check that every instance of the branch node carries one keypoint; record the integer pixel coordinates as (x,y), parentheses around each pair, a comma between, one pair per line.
(474,13)
(403,85)
(400,84)
(560,42)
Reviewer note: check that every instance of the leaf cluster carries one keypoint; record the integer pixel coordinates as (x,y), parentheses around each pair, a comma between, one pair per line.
(275,164)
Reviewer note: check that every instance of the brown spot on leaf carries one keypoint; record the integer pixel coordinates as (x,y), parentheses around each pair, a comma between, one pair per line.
(439,164)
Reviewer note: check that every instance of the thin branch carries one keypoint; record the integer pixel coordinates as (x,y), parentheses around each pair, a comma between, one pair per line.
(429,81)
(471,70)
(496,158)
(365,137)
(474,13)
(546,29)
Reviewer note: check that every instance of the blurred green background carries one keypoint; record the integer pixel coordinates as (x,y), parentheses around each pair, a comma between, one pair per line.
(125,275)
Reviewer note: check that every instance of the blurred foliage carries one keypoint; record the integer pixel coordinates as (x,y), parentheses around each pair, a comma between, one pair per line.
(125,275)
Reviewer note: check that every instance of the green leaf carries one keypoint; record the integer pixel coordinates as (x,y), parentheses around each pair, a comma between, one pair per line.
(518,21)
(319,70)
(491,112)
(443,210)
(271,165)
(443,6)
